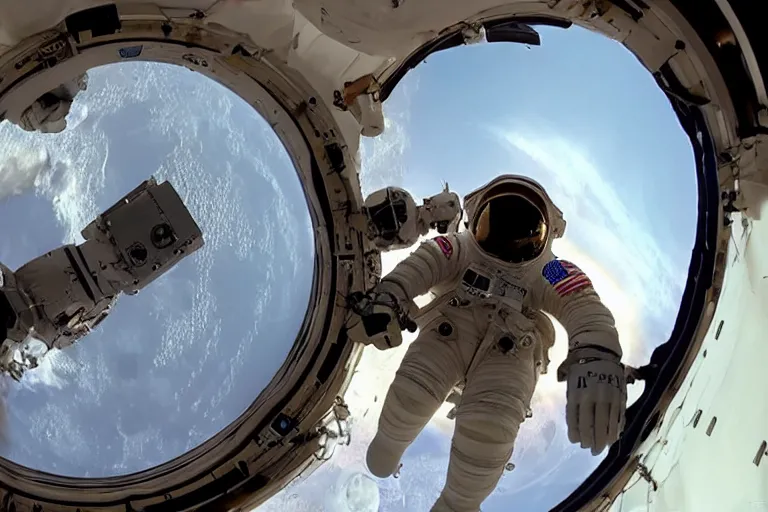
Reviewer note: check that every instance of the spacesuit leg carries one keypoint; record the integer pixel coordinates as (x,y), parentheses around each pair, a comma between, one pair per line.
(431,367)
(494,403)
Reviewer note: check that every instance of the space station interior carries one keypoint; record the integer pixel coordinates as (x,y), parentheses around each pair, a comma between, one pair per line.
(320,72)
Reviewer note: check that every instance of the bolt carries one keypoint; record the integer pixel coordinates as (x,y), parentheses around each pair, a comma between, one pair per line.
(506,344)
(445,329)
(762,117)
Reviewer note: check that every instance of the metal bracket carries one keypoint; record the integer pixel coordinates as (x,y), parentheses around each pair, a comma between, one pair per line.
(361,98)
(473,34)
(334,431)
(748,163)
(645,373)
(645,474)
(751,159)
(346,97)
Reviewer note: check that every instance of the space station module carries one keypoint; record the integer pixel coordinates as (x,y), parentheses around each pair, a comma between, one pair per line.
(59,297)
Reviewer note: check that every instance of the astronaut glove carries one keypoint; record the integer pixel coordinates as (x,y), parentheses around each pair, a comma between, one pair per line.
(596,397)
(376,324)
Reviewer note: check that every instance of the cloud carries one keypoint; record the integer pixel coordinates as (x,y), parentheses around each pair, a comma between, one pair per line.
(600,224)
(52,372)
(21,168)
(382,158)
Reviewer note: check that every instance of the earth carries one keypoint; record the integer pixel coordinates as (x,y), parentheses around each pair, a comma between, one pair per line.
(176,363)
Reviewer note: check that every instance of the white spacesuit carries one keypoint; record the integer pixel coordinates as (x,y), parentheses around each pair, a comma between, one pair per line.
(484,331)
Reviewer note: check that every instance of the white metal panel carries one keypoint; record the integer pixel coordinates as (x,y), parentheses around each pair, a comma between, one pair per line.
(702,456)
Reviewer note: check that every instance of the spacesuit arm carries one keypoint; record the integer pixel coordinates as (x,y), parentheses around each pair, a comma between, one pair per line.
(569,296)
(596,389)
(435,261)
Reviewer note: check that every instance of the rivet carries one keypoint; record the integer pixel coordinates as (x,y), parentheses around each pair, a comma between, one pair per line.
(696,418)
(760,453)
(711,426)
(445,329)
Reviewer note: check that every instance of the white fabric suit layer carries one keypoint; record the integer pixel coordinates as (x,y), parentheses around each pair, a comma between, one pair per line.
(484,328)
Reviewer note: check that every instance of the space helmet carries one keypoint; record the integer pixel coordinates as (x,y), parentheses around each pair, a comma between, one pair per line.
(513,219)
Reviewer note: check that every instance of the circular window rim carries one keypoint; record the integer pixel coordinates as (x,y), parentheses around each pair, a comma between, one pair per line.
(304,392)
(256,470)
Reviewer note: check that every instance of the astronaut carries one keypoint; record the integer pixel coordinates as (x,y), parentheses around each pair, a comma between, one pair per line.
(485,334)
(395,222)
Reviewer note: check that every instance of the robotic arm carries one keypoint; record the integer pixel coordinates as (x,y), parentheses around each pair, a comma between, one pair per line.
(61,296)
(396,222)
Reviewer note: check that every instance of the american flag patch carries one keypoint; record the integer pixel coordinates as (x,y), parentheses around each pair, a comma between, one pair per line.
(445,245)
(565,277)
